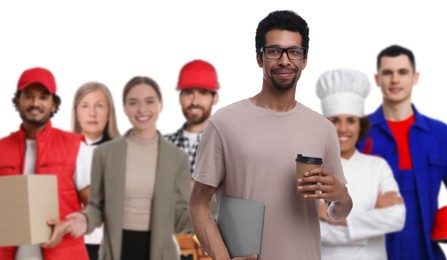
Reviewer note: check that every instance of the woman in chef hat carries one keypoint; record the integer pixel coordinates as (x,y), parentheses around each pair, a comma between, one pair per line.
(378,207)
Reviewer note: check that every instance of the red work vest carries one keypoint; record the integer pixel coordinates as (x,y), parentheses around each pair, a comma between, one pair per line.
(57,151)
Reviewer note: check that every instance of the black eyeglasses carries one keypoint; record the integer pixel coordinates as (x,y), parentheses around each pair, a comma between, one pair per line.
(275,53)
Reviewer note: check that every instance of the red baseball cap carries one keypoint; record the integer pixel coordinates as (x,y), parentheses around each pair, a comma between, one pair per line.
(37,75)
(439,231)
(198,74)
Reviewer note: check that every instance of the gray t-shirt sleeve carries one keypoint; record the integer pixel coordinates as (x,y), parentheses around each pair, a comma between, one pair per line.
(332,158)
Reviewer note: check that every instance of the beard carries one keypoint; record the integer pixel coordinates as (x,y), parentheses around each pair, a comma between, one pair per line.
(284,86)
(196,119)
(33,121)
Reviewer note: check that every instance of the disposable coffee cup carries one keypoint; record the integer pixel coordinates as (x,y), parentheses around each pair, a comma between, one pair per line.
(306,164)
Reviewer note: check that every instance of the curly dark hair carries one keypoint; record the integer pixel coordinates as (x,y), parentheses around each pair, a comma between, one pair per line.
(282,20)
(56,99)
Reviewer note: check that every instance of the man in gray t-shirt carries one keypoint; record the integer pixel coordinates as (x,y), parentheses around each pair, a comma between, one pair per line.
(248,150)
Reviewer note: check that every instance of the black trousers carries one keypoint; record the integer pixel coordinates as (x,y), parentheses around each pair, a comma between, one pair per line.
(135,245)
(92,251)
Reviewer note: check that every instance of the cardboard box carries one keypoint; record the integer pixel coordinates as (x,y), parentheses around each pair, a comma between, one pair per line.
(26,203)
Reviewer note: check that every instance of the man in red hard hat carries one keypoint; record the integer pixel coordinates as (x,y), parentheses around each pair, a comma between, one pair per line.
(439,232)
(198,87)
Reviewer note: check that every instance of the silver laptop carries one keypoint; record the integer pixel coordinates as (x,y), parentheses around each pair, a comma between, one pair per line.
(241,223)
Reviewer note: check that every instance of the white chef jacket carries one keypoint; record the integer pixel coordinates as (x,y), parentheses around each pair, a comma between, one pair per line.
(95,237)
(363,237)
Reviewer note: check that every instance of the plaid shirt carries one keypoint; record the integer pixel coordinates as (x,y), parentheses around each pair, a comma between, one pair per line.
(181,141)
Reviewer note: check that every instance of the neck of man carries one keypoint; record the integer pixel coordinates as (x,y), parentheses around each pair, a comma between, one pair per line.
(196,128)
(397,111)
(275,100)
(31,130)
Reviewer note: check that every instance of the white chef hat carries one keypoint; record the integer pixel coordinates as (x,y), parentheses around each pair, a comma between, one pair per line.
(342,91)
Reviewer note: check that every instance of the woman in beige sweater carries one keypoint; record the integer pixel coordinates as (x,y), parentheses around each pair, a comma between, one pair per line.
(140,185)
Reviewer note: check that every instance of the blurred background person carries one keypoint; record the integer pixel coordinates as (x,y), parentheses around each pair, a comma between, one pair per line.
(198,87)
(140,185)
(415,147)
(94,113)
(94,117)
(377,205)
(39,148)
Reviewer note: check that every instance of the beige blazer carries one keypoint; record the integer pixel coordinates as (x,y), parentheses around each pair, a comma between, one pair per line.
(170,202)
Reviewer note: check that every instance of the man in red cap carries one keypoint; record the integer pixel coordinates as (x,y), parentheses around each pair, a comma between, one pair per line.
(198,87)
(38,148)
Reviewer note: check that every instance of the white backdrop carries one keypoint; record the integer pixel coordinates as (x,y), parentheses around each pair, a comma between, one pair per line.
(112,41)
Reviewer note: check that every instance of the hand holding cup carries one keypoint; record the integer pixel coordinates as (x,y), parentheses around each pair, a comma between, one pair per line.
(306,164)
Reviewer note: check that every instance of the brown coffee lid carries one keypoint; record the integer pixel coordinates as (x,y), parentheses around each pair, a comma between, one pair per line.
(307,159)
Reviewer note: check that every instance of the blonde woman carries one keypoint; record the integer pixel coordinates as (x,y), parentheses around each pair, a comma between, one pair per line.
(94,113)
(94,117)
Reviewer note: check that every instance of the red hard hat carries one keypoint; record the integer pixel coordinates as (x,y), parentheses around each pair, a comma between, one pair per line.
(439,231)
(198,74)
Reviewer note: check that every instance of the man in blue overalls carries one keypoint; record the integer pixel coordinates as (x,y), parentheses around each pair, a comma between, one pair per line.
(415,146)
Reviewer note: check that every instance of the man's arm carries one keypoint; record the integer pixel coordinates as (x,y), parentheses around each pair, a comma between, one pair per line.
(83,196)
(205,226)
(59,229)
(332,191)
(203,221)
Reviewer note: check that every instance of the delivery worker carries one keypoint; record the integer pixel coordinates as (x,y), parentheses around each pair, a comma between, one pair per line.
(38,148)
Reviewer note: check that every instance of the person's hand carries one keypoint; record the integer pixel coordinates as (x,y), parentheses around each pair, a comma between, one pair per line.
(321,183)
(59,229)
(77,224)
(388,199)
(322,213)
(250,257)
(323,180)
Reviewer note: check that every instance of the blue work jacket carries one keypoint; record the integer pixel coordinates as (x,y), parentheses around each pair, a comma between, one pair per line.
(428,149)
